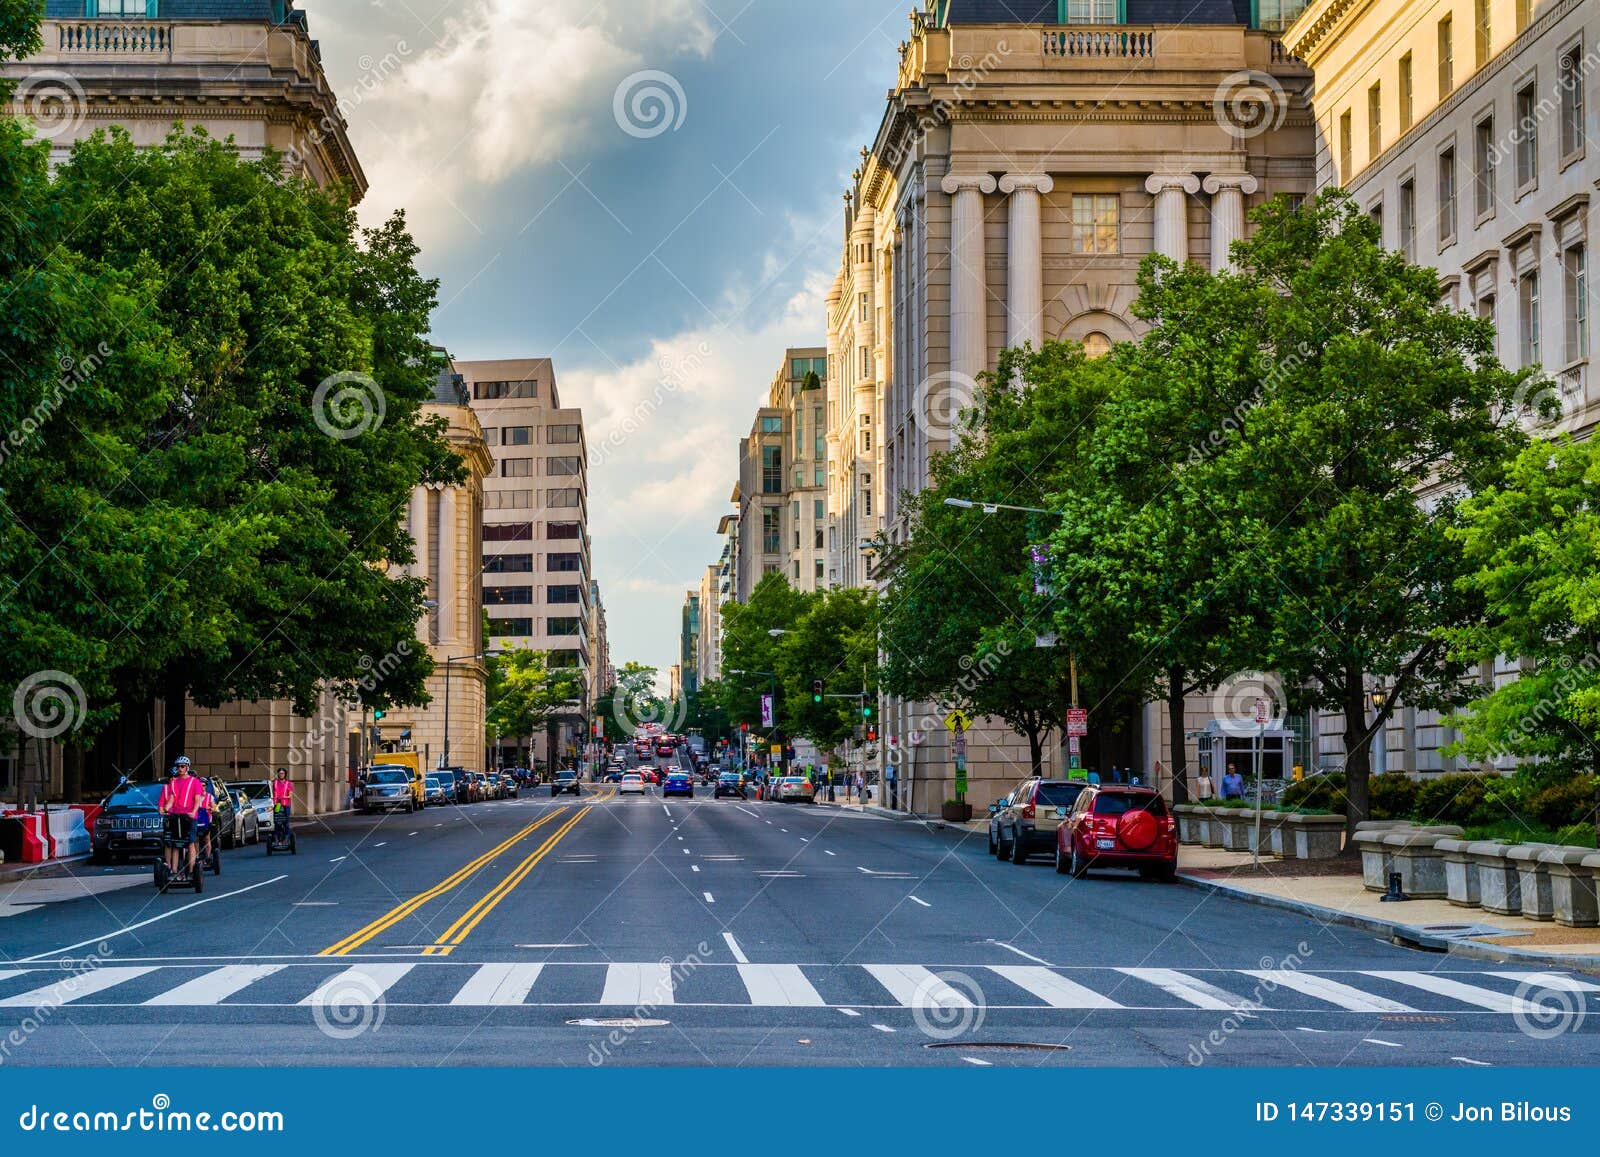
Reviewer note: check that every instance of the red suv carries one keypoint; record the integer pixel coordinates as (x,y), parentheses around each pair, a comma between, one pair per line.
(1112,826)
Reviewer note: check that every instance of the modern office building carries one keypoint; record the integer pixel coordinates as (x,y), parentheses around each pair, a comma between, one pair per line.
(689,645)
(708,659)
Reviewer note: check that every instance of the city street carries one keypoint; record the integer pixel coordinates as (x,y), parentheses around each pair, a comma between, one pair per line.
(629,930)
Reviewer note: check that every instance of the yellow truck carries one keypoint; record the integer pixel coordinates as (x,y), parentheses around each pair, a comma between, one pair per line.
(376,796)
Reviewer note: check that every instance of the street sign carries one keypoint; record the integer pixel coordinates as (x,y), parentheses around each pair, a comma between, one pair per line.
(766,711)
(961,775)
(960,744)
(777,749)
(957,721)
(1074,745)
(1263,711)
(1077,721)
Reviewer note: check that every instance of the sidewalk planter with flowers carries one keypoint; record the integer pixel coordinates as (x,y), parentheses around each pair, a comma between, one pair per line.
(1499,883)
(1572,886)
(1537,901)
(1413,854)
(953,812)
(1460,873)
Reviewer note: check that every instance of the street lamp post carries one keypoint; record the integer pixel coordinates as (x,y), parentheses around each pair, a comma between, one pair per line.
(444,756)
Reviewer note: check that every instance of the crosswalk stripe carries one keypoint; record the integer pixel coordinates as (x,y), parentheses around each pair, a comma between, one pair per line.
(1052,988)
(496,984)
(1555,980)
(915,987)
(1351,999)
(215,986)
(353,985)
(637,984)
(9,973)
(1188,989)
(779,985)
(1455,990)
(73,986)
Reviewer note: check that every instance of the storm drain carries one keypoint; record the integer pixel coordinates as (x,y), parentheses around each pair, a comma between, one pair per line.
(991,1046)
(616,1022)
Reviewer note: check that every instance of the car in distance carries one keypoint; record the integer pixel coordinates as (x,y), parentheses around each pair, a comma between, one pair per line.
(386,789)
(632,784)
(565,783)
(1117,826)
(678,783)
(792,789)
(1032,812)
(509,785)
(728,784)
(258,797)
(437,794)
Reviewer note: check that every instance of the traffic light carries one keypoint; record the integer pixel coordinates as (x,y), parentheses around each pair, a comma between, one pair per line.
(866,711)
(872,735)
(378,713)
(817,690)
(744,727)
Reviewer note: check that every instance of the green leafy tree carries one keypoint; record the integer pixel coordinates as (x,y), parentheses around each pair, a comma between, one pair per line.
(748,646)
(835,641)
(527,696)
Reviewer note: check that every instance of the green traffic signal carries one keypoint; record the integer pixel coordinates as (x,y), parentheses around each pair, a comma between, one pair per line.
(866,712)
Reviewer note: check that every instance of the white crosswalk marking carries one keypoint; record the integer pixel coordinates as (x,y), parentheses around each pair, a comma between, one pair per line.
(73,986)
(498,984)
(215,986)
(637,984)
(915,987)
(8,973)
(1352,999)
(365,981)
(1553,980)
(779,985)
(1052,988)
(1188,989)
(1456,990)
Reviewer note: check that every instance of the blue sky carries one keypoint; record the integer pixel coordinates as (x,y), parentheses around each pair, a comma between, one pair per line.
(688,241)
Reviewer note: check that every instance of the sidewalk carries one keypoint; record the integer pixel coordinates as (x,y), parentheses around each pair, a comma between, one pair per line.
(1332,891)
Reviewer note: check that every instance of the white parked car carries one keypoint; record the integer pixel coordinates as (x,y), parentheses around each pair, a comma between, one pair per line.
(632,782)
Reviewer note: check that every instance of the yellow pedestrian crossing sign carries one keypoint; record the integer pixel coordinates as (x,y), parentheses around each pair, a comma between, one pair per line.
(957,721)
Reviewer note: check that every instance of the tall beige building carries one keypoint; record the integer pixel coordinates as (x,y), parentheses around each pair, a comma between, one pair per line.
(708,660)
(537,589)
(1030,156)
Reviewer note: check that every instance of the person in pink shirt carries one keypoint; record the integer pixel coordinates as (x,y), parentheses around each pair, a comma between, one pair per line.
(282,800)
(180,800)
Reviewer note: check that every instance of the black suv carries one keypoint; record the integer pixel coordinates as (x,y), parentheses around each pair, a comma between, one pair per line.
(129,823)
(565,781)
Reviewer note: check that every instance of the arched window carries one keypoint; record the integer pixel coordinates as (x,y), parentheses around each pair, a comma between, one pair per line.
(1096,345)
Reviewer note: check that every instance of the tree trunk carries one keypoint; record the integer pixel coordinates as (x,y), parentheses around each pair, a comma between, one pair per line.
(1177,741)
(175,695)
(72,773)
(1358,753)
(1036,750)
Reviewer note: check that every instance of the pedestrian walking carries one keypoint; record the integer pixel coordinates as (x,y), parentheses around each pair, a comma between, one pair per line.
(1232,784)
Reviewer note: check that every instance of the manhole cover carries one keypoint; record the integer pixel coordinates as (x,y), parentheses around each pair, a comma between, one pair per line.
(1014,1046)
(616,1022)
(1418,1019)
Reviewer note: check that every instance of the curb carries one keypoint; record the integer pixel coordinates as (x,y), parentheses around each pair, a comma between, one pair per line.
(1400,935)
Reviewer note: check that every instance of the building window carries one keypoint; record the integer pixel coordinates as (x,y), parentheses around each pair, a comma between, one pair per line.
(1483,165)
(508,532)
(508,596)
(1087,11)
(1407,96)
(1376,213)
(510,628)
(818,537)
(772,425)
(566,594)
(1527,105)
(508,500)
(1408,219)
(866,495)
(1482,33)
(1096,345)
(568,498)
(516,468)
(1447,196)
(864,309)
(566,628)
(816,476)
(1447,57)
(564,531)
(564,434)
(1524,14)
(1374,122)
(1095,223)
(565,563)
(492,391)
(866,443)
(818,510)
(123,8)
(1528,317)
(507,563)
(563,467)
(491,436)
(1276,15)
(819,570)
(1575,269)
(516,436)
(1347,148)
(772,470)
(1570,86)
(771,530)
(866,363)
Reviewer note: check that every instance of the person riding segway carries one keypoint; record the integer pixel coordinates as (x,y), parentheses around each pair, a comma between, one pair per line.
(282,801)
(210,844)
(180,800)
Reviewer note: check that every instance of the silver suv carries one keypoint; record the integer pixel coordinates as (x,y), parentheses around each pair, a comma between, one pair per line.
(1025,821)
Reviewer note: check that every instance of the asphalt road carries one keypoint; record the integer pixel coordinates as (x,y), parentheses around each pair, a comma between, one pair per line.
(637,931)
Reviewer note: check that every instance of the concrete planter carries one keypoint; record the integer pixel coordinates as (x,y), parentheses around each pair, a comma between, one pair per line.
(1315,837)
(1538,902)
(1413,853)
(1374,858)
(1208,828)
(1499,883)
(1188,823)
(1238,826)
(1572,886)
(1460,874)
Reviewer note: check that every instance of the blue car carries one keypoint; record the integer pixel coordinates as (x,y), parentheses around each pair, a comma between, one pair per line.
(678,783)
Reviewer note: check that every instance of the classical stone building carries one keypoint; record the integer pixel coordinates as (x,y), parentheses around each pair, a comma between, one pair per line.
(1468,128)
(246,69)
(708,657)
(1030,156)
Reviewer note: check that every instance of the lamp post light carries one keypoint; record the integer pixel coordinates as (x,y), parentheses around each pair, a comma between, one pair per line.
(444,756)
(1378,744)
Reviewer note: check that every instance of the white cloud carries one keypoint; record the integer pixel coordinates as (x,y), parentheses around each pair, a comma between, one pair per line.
(509,85)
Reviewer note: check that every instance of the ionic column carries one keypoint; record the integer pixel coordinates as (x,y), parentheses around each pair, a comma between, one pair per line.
(417,524)
(1172,192)
(445,586)
(1228,192)
(969,328)
(1025,263)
